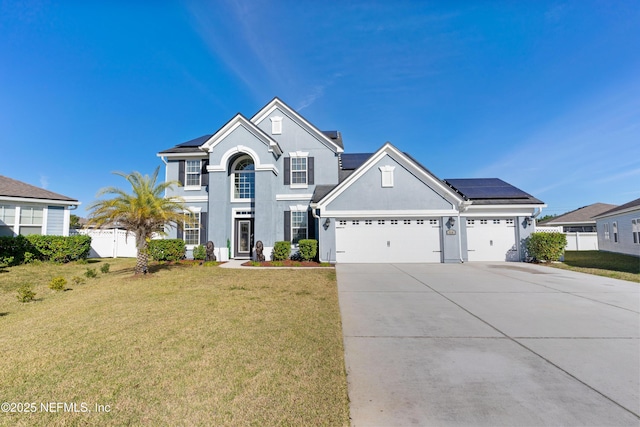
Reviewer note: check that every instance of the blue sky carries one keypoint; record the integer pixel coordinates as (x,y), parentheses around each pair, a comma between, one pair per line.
(542,94)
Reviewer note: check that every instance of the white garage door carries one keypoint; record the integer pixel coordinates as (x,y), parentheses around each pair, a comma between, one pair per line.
(388,240)
(490,239)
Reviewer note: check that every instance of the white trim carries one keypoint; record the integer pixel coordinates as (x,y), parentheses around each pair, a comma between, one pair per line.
(194,199)
(286,110)
(232,125)
(187,154)
(192,188)
(40,201)
(299,208)
(241,149)
(291,197)
(193,209)
(298,154)
(389,214)
(276,125)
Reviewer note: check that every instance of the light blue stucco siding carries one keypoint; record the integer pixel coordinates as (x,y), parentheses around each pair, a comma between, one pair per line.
(55,220)
(408,192)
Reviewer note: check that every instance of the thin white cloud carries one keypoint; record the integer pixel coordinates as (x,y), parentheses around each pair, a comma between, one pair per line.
(44,181)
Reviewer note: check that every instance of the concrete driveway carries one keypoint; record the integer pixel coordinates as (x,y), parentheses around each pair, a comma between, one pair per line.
(495,344)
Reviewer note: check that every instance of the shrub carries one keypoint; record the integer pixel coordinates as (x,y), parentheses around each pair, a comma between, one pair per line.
(167,249)
(546,246)
(281,250)
(308,249)
(105,268)
(25,293)
(58,283)
(91,273)
(5,262)
(199,252)
(77,280)
(60,248)
(14,248)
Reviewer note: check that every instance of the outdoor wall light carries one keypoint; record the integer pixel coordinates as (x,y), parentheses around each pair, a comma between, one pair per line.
(529,221)
(327,223)
(452,221)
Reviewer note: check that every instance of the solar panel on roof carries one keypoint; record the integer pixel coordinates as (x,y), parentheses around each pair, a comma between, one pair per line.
(195,142)
(354,160)
(487,188)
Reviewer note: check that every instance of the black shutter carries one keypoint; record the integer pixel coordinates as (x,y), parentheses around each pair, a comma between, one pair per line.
(204,180)
(181,172)
(311,226)
(287,170)
(203,227)
(310,170)
(287,226)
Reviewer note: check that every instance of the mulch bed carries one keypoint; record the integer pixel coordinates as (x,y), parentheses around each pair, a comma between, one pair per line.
(287,263)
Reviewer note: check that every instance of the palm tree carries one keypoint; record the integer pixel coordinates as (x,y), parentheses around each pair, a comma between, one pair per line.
(143,212)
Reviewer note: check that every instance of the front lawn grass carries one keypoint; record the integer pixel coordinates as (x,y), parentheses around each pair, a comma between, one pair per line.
(185,345)
(618,266)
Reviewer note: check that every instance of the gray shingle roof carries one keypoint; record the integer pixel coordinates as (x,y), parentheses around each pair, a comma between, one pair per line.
(13,188)
(626,206)
(583,214)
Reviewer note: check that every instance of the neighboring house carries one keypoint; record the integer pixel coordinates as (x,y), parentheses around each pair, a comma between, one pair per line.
(619,229)
(277,177)
(26,209)
(579,220)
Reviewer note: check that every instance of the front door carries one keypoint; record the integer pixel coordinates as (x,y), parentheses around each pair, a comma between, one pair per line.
(244,238)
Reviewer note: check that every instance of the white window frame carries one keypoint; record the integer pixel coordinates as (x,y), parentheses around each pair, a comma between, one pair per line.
(3,217)
(615,231)
(386,173)
(635,230)
(293,159)
(296,226)
(236,175)
(606,231)
(190,171)
(190,227)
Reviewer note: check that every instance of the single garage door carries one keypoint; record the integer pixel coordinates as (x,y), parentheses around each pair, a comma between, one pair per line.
(388,240)
(490,239)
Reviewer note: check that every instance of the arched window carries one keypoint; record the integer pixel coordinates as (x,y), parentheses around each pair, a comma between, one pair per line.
(243,178)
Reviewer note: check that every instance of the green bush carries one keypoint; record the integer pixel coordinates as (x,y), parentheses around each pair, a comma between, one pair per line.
(91,273)
(199,252)
(25,293)
(308,249)
(105,268)
(281,251)
(77,280)
(14,248)
(167,249)
(546,246)
(60,248)
(58,283)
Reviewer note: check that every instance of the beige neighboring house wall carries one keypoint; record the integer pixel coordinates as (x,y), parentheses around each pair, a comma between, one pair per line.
(26,209)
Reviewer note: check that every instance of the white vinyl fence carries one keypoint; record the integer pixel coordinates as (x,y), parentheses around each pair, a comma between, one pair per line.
(111,243)
(576,241)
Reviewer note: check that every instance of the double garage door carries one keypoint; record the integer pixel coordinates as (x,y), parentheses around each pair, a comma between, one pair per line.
(388,240)
(491,239)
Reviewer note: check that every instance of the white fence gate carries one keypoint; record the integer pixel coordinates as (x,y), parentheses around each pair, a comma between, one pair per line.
(111,243)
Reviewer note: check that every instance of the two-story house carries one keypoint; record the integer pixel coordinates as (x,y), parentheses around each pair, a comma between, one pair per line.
(277,177)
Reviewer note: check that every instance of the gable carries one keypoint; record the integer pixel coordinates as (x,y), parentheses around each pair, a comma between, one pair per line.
(252,132)
(296,133)
(408,188)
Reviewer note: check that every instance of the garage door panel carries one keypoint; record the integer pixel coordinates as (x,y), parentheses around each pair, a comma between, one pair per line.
(396,240)
(491,240)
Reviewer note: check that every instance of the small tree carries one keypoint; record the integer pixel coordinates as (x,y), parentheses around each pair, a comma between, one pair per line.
(143,212)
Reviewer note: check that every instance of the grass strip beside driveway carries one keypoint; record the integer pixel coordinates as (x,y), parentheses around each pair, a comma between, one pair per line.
(607,264)
(183,346)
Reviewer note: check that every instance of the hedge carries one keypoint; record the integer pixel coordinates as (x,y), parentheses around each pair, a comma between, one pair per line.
(22,249)
(308,249)
(281,250)
(546,246)
(167,249)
